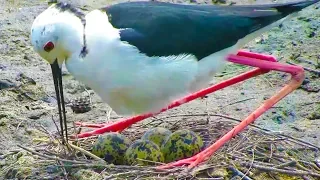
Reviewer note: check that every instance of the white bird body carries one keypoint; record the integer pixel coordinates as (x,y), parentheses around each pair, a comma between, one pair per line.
(126,76)
(154,81)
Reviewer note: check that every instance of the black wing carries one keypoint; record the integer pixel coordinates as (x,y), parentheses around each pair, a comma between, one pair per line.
(163,29)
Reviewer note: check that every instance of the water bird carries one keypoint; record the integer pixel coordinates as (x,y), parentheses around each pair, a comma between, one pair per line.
(141,56)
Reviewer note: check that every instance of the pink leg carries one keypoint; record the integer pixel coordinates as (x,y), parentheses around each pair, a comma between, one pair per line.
(197,94)
(123,124)
(296,80)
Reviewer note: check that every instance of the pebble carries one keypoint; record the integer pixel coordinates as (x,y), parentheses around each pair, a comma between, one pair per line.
(25,79)
(311,34)
(49,99)
(36,115)
(5,84)
(3,67)
(306,81)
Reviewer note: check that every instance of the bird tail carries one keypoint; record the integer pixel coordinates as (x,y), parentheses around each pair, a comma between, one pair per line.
(291,7)
(269,16)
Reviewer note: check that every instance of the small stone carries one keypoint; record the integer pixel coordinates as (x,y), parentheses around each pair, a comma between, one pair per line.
(5,84)
(311,34)
(36,115)
(3,122)
(294,44)
(306,81)
(49,99)
(26,57)
(3,67)
(25,79)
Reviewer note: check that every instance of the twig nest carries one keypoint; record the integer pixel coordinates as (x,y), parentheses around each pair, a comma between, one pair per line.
(144,152)
(181,144)
(85,174)
(111,147)
(157,135)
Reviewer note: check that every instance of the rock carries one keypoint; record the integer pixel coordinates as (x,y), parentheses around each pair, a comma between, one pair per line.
(311,87)
(26,57)
(306,81)
(219,1)
(49,99)
(3,67)
(36,115)
(25,79)
(5,84)
(3,121)
(316,114)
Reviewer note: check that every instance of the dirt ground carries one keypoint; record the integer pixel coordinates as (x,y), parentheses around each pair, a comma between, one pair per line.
(27,97)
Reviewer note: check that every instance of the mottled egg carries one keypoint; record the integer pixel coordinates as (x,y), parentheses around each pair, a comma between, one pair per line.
(145,150)
(157,135)
(111,147)
(181,144)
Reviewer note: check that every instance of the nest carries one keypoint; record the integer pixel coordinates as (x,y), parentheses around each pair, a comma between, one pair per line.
(256,153)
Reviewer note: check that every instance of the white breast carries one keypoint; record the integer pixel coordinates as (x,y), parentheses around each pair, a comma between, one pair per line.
(128,81)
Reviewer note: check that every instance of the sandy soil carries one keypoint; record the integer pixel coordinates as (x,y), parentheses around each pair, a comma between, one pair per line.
(27,93)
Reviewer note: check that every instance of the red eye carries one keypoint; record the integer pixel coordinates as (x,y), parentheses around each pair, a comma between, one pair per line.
(48,47)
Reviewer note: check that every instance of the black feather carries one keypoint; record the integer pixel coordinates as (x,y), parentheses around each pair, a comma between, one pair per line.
(163,29)
(63,6)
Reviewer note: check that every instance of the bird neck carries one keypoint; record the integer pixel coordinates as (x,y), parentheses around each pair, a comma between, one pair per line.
(72,37)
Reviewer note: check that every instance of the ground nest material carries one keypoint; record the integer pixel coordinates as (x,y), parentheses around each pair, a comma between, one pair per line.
(254,154)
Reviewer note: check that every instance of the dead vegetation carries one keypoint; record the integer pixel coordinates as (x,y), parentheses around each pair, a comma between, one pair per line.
(256,153)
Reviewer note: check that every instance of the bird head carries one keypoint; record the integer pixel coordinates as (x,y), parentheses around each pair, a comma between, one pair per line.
(57,33)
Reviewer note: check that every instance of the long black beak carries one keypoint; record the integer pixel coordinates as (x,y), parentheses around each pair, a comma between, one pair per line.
(57,79)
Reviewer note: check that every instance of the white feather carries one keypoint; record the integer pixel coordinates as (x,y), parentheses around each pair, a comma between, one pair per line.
(130,82)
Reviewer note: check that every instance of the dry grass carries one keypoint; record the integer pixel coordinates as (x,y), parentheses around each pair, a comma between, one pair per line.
(256,153)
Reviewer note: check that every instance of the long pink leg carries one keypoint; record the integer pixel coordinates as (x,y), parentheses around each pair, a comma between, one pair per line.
(123,124)
(186,99)
(296,80)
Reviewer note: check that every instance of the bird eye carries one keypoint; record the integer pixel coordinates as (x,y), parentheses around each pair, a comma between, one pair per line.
(48,46)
